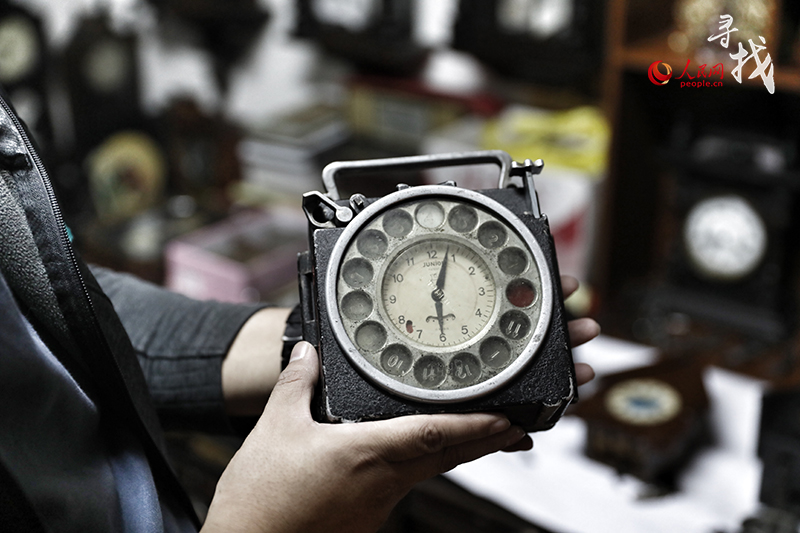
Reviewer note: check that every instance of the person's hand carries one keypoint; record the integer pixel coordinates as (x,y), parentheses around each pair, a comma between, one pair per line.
(293,474)
(581,331)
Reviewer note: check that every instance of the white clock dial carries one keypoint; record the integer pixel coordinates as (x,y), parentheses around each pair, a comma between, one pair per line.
(725,238)
(429,315)
(643,402)
(353,15)
(438,296)
(19,48)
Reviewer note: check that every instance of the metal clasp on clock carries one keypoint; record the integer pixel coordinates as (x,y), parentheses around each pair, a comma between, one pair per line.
(526,171)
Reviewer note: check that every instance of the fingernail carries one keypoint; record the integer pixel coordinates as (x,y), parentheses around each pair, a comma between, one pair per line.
(300,350)
(499,425)
(515,434)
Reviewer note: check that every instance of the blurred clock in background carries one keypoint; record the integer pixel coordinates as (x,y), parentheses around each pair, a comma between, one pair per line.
(375,35)
(727,240)
(648,421)
(23,59)
(552,42)
(226,30)
(101,71)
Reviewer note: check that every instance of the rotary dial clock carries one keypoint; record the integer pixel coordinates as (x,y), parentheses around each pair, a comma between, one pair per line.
(437,294)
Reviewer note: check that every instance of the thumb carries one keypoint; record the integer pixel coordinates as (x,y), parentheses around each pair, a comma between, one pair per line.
(295,385)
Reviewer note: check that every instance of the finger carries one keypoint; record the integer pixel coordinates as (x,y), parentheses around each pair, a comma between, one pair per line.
(582,330)
(524,444)
(583,373)
(569,285)
(295,385)
(409,437)
(453,456)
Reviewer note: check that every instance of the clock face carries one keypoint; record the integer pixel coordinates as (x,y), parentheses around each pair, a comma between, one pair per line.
(643,402)
(725,238)
(19,48)
(126,175)
(107,66)
(353,15)
(438,297)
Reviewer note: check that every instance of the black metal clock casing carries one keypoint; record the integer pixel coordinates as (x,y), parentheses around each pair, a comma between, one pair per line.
(729,231)
(435,298)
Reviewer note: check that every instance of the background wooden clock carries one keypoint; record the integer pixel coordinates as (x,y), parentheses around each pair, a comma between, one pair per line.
(556,43)
(376,35)
(647,422)
(23,62)
(101,71)
(727,228)
(227,30)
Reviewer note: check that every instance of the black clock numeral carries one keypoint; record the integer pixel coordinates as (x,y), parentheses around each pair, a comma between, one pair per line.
(442,338)
(471,271)
(401,319)
(464,330)
(393,299)
(431,254)
(410,261)
(398,278)
(481,291)
(478,312)
(420,333)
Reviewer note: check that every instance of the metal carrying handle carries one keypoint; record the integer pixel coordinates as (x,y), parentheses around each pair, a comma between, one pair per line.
(417,162)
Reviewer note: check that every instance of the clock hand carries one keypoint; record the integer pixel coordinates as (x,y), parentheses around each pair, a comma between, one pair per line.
(438,292)
(443,271)
(440,317)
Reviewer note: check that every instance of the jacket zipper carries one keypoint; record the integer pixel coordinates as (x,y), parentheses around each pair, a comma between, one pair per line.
(51,196)
(97,331)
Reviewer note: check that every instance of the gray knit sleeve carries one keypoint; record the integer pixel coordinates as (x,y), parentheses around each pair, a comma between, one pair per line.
(180,343)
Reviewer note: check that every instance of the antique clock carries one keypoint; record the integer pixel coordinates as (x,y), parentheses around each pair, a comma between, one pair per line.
(436,298)
(23,62)
(376,35)
(557,43)
(729,225)
(202,154)
(227,30)
(647,422)
(101,70)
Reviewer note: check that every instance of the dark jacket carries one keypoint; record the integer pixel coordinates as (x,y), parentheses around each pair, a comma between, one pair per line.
(78,322)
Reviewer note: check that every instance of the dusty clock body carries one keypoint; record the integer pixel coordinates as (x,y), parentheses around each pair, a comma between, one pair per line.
(435,298)
(440,295)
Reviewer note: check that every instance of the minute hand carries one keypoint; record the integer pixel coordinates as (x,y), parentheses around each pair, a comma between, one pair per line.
(443,271)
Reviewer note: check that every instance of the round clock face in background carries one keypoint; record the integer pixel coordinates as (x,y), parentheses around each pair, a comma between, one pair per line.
(353,15)
(725,238)
(19,48)
(439,297)
(643,402)
(107,66)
